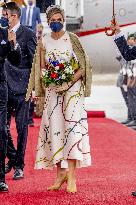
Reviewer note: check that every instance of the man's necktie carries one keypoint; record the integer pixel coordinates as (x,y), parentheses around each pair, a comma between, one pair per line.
(28,17)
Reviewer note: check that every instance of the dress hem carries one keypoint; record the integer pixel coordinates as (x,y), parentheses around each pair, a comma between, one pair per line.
(79,164)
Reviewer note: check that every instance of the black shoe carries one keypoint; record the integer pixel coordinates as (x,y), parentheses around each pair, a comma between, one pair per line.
(131,124)
(3,187)
(133,127)
(31,124)
(134,193)
(8,167)
(18,174)
(126,121)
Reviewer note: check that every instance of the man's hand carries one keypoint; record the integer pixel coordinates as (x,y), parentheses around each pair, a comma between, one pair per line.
(116,28)
(12,37)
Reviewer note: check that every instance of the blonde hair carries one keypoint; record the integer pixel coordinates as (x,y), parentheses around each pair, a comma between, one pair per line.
(54,9)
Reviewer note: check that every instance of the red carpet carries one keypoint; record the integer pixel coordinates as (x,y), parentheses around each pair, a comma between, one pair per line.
(109,181)
(95,114)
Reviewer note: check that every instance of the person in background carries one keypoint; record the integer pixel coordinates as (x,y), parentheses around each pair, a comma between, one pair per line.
(10,50)
(20,3)
(4,19)
(63,138)
(125,82)
(127,52)
(30,16)
(17,81)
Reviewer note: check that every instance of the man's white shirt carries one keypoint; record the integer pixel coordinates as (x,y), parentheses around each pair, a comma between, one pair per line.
(16,27)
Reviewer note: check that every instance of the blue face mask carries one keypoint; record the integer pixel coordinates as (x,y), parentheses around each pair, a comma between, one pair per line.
(30,3)
(56,26)
(4,22)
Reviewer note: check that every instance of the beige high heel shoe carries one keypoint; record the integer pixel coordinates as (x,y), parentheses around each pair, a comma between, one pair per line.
(71,188)
(58,186)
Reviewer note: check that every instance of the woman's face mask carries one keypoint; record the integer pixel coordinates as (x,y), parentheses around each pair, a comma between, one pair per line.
(56,26)
(56,22)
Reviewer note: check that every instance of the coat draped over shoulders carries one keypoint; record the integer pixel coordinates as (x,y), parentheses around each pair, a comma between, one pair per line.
(35,81)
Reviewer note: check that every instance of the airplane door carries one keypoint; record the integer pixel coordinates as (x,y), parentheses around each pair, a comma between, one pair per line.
(72,8)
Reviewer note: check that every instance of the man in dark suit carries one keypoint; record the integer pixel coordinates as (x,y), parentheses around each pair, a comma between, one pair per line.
(127,52)
(8,49)
(30,16)
(17,79)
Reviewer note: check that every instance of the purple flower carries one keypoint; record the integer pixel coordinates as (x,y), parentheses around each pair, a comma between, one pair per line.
(50,60)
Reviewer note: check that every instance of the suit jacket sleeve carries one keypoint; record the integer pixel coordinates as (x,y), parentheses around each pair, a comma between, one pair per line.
(38,16)
(35,81)
(127,52)
(31,46)
(14,56)
(22,15)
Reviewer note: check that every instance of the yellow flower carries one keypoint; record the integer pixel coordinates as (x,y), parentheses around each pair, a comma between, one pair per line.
(74,64)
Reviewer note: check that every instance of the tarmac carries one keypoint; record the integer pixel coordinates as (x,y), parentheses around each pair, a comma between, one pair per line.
(106,96)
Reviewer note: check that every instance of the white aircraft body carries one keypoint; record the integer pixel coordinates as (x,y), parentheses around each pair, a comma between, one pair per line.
(96,15)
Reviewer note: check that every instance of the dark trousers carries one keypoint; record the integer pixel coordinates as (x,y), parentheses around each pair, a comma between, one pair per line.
(3,129)
(130,100)
(31,112)
(21,111)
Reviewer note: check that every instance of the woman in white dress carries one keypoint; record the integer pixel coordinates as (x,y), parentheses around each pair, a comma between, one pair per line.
(63,138)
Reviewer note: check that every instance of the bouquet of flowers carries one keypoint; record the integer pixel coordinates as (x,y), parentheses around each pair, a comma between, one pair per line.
(57,72)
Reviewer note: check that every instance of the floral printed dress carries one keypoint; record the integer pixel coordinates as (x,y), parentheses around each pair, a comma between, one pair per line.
(64,130)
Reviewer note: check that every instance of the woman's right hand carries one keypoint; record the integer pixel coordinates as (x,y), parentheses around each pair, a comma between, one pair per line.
(61,88)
